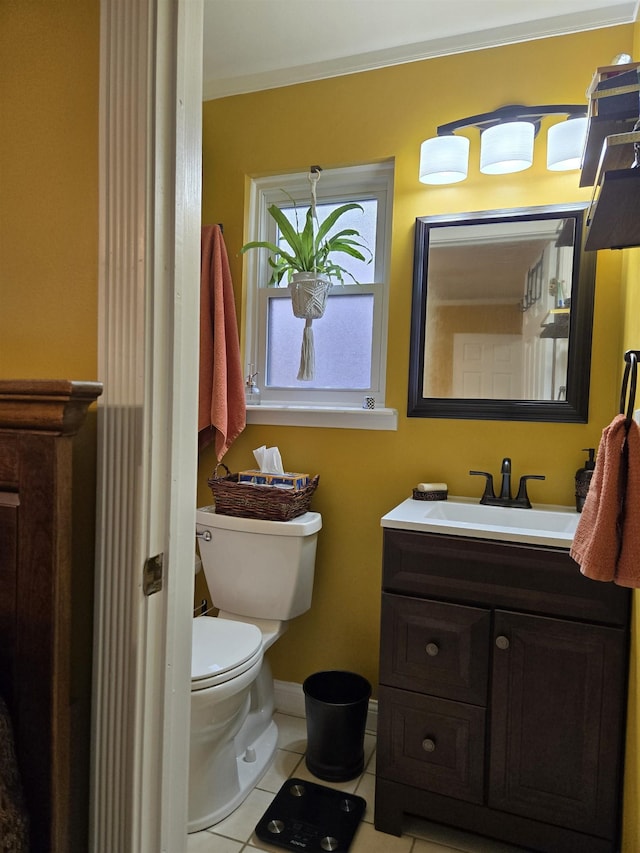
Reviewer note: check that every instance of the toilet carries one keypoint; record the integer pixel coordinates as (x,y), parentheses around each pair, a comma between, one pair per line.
(260,575)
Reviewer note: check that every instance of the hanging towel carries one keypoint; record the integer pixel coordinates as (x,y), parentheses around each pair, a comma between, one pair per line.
(606,544)
(628,567)
(221,405)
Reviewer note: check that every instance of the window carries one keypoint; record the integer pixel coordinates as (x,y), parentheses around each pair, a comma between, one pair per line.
(350,339)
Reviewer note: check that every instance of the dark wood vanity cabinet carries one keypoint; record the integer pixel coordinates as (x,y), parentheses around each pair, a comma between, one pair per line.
(502,693)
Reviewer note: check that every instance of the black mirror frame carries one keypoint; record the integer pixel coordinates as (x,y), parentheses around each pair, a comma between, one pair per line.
(575,409)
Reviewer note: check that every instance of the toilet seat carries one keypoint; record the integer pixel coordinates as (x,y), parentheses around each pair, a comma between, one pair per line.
(222,650)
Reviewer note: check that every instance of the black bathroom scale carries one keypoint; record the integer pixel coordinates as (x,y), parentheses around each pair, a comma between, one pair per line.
(306,816)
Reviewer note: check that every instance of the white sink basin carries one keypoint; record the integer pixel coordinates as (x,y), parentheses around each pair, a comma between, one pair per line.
(540,525)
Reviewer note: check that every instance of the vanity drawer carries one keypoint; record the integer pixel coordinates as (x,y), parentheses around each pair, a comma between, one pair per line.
(432,744)
(491,574)
(436,648)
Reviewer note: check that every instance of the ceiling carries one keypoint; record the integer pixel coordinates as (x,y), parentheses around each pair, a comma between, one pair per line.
(251,45)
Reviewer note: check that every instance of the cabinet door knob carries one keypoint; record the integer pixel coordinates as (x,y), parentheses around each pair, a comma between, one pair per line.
(502,642)
(428,745)
(432,649)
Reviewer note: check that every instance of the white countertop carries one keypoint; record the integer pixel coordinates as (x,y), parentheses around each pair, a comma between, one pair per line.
(543,524)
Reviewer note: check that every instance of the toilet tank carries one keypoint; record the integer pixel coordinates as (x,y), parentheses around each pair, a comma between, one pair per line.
(259,569)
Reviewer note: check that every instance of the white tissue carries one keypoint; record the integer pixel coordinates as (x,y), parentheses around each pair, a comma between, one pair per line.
(269,460)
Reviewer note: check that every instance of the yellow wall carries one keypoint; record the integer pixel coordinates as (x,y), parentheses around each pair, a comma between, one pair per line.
(49,188)
(369,117)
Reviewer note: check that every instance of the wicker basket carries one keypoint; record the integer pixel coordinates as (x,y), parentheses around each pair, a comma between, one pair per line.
(267,502)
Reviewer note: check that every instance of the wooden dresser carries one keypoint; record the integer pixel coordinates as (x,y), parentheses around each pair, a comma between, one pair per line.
(38,419)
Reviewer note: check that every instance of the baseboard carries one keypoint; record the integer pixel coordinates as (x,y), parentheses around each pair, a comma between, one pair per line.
(289,699)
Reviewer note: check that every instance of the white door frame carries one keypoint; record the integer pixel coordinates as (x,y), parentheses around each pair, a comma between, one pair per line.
(150,209)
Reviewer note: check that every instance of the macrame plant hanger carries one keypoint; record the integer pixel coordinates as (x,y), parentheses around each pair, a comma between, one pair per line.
(309,297)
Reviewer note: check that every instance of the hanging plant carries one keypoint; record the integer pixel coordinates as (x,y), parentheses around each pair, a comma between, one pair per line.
(309,264)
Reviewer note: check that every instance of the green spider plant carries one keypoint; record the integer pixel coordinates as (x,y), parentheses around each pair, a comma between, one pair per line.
(310,249)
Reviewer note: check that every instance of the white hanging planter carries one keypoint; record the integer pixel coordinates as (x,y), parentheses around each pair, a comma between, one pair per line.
(309,293)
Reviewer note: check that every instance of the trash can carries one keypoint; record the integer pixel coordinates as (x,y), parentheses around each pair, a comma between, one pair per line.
(336,706)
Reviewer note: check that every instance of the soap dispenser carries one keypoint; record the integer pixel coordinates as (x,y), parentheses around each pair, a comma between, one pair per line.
(583,478)
(251,390)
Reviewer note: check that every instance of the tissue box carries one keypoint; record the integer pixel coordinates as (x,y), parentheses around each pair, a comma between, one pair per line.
(260,478)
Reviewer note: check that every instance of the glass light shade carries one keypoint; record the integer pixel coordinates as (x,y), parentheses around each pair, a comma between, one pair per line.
(565,142)
(506,148)
(444,160)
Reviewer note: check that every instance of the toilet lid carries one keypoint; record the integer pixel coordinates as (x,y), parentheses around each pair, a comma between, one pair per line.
(221,645)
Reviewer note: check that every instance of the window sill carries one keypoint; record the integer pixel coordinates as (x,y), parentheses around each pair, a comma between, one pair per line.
(279,414)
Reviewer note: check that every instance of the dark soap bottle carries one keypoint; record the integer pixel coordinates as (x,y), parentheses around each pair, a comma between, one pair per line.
(583,478)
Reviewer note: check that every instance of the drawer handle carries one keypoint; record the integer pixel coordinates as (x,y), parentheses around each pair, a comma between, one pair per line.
(502,642)
(428,745)
(432,649)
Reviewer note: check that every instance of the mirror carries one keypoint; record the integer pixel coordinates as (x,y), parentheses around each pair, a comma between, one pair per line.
(501,315)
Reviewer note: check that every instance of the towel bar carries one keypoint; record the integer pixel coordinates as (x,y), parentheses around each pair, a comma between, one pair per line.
(630,370)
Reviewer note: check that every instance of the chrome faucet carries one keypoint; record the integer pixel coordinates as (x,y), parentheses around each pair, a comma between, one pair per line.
(505,499)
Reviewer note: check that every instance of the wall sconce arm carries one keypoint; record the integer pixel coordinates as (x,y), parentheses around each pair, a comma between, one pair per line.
(513,113)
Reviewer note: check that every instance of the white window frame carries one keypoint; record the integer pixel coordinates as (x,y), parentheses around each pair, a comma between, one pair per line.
(339,186)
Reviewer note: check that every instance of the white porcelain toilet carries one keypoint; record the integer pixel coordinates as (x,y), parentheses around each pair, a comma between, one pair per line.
(260,575)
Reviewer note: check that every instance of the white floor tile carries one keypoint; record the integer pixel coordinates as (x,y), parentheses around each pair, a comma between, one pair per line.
(369,748)
(205,842)
(370,766)
(366,788)
(240,824)
(284,766)
(292,732)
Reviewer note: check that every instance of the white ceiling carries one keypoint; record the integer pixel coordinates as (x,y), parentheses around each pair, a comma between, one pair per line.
(251,45)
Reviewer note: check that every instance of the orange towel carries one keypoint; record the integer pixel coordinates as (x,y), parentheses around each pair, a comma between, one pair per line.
(606,544)
(221,406)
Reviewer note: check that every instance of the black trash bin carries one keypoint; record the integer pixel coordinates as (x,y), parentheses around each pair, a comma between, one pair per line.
(336,706)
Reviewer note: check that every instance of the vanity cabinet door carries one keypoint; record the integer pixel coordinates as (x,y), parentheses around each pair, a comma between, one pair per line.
(556,721)
(435,648)
(432,744)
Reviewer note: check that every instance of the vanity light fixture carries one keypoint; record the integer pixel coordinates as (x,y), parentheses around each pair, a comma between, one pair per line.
(506,142)
(565,142)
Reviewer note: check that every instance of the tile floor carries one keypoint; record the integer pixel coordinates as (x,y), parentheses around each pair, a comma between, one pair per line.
(235,834)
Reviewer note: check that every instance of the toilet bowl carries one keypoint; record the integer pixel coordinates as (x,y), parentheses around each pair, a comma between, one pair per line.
(226,660)
(260,575)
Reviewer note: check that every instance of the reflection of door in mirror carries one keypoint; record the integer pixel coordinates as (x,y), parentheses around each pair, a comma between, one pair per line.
(487,366)
(499,296)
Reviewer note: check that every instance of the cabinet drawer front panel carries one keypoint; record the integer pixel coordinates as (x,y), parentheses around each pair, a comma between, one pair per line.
(498,574)
(556,725)
(435,648)
(433,744)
